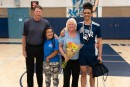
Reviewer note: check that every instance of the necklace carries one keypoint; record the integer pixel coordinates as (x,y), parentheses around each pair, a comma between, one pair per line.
(86,32)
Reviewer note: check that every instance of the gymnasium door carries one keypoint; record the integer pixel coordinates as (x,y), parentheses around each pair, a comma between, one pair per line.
(16,18)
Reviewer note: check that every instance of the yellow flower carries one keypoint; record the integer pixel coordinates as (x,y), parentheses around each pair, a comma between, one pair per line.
(71,49)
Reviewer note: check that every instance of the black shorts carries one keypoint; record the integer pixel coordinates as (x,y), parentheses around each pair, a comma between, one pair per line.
(87,56)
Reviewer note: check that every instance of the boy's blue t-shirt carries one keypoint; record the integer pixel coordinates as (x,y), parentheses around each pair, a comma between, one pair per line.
(49,47)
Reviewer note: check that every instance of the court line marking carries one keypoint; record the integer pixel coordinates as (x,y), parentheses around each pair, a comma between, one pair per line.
(110,55)
(20,80)
(114,61)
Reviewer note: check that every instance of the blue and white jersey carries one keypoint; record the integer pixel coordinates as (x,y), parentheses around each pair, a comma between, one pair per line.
(49,47)
(89,35)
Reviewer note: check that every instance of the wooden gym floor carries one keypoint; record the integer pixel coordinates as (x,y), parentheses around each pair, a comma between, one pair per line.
(12,65)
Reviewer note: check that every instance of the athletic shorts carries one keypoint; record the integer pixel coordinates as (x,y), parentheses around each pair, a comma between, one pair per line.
(87,56)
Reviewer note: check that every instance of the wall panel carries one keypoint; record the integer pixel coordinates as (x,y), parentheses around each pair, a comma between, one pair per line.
(116,11)
(52,12)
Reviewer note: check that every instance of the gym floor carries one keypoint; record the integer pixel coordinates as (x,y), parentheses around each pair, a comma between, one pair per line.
(116,56)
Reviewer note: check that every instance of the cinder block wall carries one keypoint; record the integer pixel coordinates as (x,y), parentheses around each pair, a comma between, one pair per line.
(110,8)
(52,12)
(122,11)
(3,13)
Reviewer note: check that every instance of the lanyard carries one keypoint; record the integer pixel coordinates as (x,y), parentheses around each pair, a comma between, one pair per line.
(90,29)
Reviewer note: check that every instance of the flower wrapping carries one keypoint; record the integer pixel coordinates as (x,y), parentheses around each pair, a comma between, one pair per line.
(71,50)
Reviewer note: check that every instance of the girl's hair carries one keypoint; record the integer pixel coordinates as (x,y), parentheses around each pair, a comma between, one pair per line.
(87,5)
(71,19)
(44,33)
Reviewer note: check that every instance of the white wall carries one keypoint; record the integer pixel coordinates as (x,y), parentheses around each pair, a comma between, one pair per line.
(114,2)
(27,3)
(60,3)
(53,3)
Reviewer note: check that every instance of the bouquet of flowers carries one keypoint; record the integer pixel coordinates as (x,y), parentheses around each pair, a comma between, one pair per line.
(71,49)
